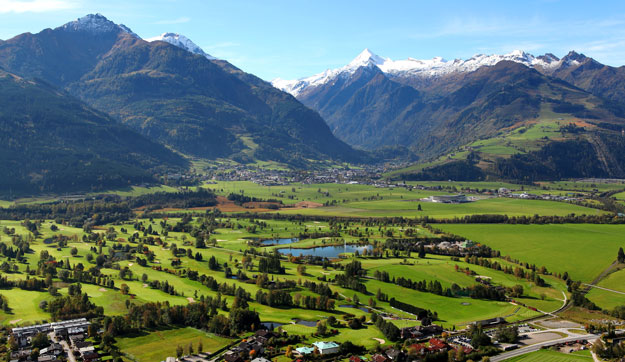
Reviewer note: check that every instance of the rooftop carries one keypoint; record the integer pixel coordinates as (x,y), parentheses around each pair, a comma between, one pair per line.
(325,345)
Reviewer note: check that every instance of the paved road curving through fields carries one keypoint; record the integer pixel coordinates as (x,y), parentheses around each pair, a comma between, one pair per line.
(535,347)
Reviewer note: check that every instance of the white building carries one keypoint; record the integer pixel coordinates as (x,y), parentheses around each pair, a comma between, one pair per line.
(326,347)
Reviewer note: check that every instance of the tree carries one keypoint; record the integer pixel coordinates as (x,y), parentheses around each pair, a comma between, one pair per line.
(289,351)
(419,208)
(322,328)
(125,289)
(74,251)
(179,351)
(301,269)
(478,337)
(40,340)
(421,251)
(621,255)
(200,346)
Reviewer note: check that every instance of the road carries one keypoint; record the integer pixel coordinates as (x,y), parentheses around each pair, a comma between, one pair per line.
(63,343)
(70,354)
(609,290)
(535,347)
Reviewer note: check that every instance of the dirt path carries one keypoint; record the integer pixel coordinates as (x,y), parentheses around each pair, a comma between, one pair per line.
(380,340)
(15,321)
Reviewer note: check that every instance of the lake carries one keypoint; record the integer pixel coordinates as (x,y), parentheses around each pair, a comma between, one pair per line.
(279,241)
(330,252)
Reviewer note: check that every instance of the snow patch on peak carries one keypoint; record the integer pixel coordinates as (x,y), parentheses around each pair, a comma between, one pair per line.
(96,24)
(365,58)
(427,68)
(183,42)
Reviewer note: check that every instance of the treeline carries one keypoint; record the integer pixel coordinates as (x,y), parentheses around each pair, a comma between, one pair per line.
(33,284)
(526,220)
(241,199)
(419,312)
(350,282)
(390,331)
(270,264)
(532,274)
(72,307)
(97,212)
(181,199)
(4,304)
(201,314)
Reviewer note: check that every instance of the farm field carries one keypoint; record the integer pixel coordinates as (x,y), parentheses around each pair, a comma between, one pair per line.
(157,345)
(405,208)
(582,250)
(369,201)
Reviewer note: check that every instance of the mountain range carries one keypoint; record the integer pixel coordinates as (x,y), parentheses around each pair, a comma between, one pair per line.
(441,109)
(172,92)
(514,116)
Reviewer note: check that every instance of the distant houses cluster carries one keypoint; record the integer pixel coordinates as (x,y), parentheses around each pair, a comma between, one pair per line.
(67,337)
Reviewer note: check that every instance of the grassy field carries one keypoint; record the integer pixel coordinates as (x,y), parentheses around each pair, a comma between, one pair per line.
(369,201)
(442,268)
(551,356)
(232,236)
(24,307)
(408,208)
(452,311)
(608,299)
(160,344)
(582,250)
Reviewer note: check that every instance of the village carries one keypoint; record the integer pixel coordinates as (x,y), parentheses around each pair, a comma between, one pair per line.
(74,340)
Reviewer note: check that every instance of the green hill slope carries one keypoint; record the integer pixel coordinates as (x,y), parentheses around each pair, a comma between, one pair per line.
(51,142)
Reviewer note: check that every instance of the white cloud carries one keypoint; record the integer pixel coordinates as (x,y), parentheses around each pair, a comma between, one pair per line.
(180,20)
(35,6)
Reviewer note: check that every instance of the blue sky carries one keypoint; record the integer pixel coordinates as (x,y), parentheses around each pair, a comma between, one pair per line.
(297,38)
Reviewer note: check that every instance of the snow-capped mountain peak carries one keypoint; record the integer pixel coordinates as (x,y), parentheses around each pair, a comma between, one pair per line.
(427,68)
(181,41)
(96,23)
(365,58)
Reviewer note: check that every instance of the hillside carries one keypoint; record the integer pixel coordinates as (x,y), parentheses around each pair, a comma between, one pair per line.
(588,74)
(199,106)
(504,117)
(51,142)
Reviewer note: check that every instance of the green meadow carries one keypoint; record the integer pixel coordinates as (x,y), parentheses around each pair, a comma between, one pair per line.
(157,345)
(24,307)
(409,208)
(552,356)
(582,250)
(609,299)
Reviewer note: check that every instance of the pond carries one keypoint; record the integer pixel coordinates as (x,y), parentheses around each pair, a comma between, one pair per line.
(330,252)
(364,309)
(306,323)
(271,325)
(279,241)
